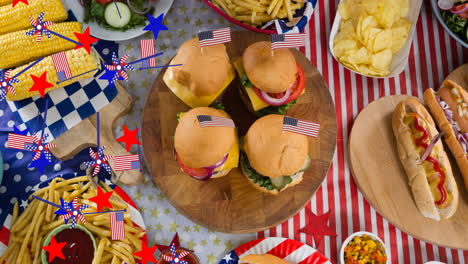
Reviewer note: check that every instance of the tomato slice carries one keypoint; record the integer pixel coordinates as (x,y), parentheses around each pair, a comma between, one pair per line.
(104,2)
(459,8)
(198,173)
(297,88)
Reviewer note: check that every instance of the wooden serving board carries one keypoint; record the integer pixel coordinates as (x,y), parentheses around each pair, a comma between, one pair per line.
(460,76)
(230,204)
(381,178)
(84,135)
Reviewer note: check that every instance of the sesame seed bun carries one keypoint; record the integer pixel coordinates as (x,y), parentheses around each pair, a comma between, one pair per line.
(203,72)
(262,259)
(270,73)
(273,152)
(200,147)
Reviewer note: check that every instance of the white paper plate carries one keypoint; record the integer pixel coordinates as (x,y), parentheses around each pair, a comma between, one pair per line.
(160,7)
(400,59)
(290,250)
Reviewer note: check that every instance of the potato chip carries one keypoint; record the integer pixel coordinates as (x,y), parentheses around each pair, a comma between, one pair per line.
(383,40)
(370,33)
(343,46)
(382,60)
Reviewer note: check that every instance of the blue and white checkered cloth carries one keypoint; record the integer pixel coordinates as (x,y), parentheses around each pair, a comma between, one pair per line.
(67,106)
(301,18)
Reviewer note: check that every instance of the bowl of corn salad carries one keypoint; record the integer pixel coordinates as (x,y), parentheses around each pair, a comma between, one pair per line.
(363,248)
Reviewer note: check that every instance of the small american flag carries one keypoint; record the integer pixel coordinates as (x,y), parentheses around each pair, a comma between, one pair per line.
(61,66)
(214,121)
(213,37)
(290,40)
(127,162)
(117,225)
(294,125)
(147,49)
(19,141)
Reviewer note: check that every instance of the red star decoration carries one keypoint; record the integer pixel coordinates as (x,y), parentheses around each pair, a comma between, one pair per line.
(55,249)
(175,241)
(146,254)
(85,40)
(17,1)
(102,199)
(130,137)
(318,227)
(40,84)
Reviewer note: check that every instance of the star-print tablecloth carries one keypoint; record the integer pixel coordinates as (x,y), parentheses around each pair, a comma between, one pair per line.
(433,56)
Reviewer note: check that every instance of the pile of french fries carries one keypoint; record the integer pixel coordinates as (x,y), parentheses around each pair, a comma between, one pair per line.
(258,12)
(30,229)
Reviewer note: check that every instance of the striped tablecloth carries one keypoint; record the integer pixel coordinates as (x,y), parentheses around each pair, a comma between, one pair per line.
(433,56)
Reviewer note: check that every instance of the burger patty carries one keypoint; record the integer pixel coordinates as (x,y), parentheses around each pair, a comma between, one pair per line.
(265,181)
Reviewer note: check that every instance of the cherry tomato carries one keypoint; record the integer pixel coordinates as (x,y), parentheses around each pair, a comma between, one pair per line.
(198,173)
(104,2)
(297,88)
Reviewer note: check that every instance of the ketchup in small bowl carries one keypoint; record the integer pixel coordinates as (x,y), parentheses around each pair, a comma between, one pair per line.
(80,245)
(190,257)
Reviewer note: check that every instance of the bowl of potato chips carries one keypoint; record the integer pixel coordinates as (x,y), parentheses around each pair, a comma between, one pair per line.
(373,37)
(266,16)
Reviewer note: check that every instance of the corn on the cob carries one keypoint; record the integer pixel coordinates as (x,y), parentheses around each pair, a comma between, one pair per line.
(18,49)
(5,2)
(78,60)
(17,18)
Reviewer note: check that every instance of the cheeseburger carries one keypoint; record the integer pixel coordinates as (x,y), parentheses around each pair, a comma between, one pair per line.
(271,79)
(205,152)
(205,73)
(274,160)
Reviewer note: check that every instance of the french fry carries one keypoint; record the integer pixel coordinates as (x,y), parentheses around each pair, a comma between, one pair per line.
(99,251)
(61,184)
(275,11)
(120,255)
(251,6)
(223,5)
(22,252)
(97,230)
(288,9)
(115,260)
(272,6)
(123,250)
(15,214)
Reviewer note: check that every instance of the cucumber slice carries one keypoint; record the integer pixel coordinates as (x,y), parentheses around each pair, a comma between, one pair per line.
(278,182)
(117,14)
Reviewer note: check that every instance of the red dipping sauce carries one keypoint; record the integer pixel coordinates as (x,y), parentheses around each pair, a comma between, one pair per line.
(79,247)
(190,258)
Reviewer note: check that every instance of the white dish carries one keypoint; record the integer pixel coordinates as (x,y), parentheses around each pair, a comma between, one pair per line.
(400,59)
(360,233)
(160,7)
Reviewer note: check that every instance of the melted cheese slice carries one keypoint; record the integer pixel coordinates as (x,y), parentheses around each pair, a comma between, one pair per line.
(233,157)
(184,93)
(256,101)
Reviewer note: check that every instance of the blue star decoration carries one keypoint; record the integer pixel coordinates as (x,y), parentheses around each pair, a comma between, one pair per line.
(230,258)
(155,25)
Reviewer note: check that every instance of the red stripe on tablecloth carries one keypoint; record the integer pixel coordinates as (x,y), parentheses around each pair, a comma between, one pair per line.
(285,248)
(4,235)
(406,256)
(417,251)
(443,254)
(243,248)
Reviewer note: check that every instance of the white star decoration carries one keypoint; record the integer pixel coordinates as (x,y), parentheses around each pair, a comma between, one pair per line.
(24,204)
(227,258)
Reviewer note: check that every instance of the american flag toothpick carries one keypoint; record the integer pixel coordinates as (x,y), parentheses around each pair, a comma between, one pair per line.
(213,37)
(302,127)
(214,121)
(290,40)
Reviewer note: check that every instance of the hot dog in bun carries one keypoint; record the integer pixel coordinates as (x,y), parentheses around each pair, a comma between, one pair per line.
(449,106)
(431,180)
